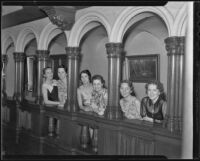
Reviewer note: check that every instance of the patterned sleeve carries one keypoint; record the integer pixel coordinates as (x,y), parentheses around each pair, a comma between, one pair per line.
(138,104)
(142,108)
(120,103)
(105,98)
(164,109)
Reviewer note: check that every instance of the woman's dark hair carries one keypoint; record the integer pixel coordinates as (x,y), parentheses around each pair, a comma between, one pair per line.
(43,71)
(88,73)
(159,86)
(99,77)
(130,84)
(62,66)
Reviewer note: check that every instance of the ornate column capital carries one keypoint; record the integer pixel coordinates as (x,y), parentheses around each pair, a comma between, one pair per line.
(114,49)
(19,56)
(73,52)
(175,45)
(4,58)
(42,54)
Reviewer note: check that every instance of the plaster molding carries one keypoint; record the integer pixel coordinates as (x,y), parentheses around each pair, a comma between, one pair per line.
(130,12)
(21,43)
(45,37)
(84,24)
(4,42)
(180,21)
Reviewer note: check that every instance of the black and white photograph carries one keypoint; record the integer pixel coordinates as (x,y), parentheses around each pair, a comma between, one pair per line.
(103,81)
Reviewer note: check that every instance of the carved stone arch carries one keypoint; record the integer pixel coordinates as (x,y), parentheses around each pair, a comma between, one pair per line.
(86,23)
(182,31)
(129,13)
(180,22)
(24,37)
(47,34)
(6,40)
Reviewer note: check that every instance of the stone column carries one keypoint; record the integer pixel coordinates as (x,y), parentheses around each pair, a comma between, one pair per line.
(73,55)
(4,59)
(42,60)
(19,58)
(175,51)
(115,53)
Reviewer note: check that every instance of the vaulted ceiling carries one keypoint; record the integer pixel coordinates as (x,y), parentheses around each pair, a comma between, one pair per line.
(15,15)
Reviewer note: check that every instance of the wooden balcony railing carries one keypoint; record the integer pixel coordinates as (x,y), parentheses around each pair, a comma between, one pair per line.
(64,133)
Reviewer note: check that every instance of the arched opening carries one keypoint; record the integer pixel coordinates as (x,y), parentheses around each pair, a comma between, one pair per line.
(93,51)
(143,38)
(30,70)
(57,53)
(10,78)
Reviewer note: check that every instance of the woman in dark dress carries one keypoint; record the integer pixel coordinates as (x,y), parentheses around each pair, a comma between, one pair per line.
(49,88)
(153,106)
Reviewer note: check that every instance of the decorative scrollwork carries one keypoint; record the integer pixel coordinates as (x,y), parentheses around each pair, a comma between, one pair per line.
(73,52)
(42,55)
(4,58)
(175,45)
(19,56)
(64,18)
(114,49)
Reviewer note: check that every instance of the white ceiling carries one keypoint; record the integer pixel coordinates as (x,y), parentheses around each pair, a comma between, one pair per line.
(9,9)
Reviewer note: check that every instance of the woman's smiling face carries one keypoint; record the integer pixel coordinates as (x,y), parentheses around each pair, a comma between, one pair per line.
(61,73)
(153,92)
(125,90)
(97,85)
(48,73)
(84,78)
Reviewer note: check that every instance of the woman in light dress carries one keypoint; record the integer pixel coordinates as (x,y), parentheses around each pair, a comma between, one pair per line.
(62,84)
(99,95)
(84,92)
(130,105)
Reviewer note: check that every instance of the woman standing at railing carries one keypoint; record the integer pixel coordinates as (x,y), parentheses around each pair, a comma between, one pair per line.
(62,84)
(154,105)
(130,105)
(84,92)
(49,88)
(99,95)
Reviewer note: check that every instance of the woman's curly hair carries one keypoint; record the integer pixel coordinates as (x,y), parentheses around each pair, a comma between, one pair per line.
(130,84)
(99,77)
(88,73)
(159,86)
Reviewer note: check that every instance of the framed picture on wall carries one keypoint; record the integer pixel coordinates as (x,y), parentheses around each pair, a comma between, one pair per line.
(142,68)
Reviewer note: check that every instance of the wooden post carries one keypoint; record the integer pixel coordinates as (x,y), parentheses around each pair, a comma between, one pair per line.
(73,55)
(4,59)
(42,60)
(19,76)
(114,51)
(175,51)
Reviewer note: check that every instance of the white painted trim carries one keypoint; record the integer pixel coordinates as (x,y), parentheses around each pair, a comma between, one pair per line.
(130,12)
(20,43)
(84,23)
(180,21)
(4,40)
(44,36)
(187,134)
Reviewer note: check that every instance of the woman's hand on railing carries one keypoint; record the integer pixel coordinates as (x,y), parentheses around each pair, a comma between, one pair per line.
(61,105)
(49,105)
(87,108)
(148,119)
